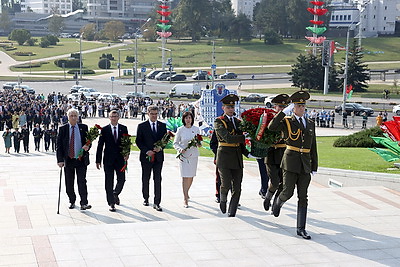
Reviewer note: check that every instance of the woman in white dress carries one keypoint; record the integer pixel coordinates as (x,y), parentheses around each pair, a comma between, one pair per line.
(190,157)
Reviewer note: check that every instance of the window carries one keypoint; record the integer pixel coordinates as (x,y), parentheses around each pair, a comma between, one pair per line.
(333,17)
(348,17)
(384,28)
(374,16)
(373,28)
(337,17)
(385,7)
(384,18)
(341,17)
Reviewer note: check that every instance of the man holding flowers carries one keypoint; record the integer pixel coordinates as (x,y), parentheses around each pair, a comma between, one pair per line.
(113,161)
(229,158)
(300,157)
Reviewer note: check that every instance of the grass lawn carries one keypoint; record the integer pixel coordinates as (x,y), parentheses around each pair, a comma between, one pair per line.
(359,159)
(195,55)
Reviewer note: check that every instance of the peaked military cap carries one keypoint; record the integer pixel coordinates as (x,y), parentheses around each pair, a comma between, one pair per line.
(281,99)
(300,97)
(229,100)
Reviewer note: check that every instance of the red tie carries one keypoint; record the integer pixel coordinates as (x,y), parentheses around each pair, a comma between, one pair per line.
(72,144)
(115,134)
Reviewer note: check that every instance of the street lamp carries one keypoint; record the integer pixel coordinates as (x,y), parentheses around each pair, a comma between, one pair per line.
(169,62)
(80,55)
(136,55)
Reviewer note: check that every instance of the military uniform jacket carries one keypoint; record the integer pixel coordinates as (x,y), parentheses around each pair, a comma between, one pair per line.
(229,156)
(274,156)
(294,136)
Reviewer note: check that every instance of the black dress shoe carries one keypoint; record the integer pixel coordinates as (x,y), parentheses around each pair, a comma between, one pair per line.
(86,207)
(157,207)
(222,206)
(71,206)
(145,203)
(217,200)
(303,233)
(116,198)
(112,208)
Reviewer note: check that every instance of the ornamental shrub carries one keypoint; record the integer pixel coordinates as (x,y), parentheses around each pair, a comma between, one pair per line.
(360,139)
(75,55)
(44,42)
(73,71)
(104,63)
(130,59)
(69,63)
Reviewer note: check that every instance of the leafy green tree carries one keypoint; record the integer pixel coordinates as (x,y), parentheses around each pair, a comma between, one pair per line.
(298,18)
(308,73)
(31,41)
(272,38)
(44,42)
(53,40)
(5,21)
(56,24)
(221,16)
(89,31)
(241,28)
(20,35)
(192,16)
(113,29)
(357,71)
(77,4)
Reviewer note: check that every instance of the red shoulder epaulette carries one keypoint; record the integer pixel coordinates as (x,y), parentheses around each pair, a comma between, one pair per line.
(221,117)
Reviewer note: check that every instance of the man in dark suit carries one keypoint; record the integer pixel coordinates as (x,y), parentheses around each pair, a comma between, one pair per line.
(37,136)
(300,157)
(70,140)
(151,157)
(113,160)
(229,154)
(25,138)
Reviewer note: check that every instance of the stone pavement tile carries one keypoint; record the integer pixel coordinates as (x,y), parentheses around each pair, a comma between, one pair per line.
(104,262)
(174,259)
(140,260)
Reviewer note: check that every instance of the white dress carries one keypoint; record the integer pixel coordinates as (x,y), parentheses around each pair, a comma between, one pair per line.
(188,163)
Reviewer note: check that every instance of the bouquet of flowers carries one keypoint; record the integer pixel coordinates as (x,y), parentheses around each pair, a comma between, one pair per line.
(126,143)
(92,135)
(255,122)
(162,143)
(195,142)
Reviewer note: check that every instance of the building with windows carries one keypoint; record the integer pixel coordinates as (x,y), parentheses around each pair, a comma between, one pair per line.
(244,6)
(46,6)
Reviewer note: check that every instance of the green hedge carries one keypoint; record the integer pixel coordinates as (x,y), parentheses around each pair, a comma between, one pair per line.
(360,139)
(19,53)
(69,63)
(28,66)
(83,71)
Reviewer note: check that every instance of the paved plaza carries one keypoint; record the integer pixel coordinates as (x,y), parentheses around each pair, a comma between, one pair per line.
(353,225)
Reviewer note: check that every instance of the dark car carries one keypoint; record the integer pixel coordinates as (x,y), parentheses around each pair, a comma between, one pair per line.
(357,108)
(177,77)
(228,75)
(9,85)
(152,74)
(254,98)
(162,76)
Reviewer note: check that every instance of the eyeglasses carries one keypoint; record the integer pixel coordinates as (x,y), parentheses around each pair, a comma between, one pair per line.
(154,114)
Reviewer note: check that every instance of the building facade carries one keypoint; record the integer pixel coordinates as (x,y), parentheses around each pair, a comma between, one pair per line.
(244,7)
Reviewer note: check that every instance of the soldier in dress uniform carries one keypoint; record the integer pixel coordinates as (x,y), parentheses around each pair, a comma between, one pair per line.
(229,158)
(274,157)
(300,158)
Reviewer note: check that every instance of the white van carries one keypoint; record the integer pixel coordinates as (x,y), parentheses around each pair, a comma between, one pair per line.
(189,90)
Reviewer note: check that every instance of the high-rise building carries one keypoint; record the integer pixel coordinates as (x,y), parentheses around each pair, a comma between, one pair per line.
(244,6)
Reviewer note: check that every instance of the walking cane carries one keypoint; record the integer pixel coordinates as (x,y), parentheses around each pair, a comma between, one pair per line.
(59,192)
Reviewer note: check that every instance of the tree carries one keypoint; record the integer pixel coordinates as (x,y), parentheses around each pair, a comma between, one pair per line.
(56,24)
(308,73)
(44,42)
(241,28)
(5,21)
(357,72)
(77,4)
(272,38)
(221,16)
(192,16)
(20,35)
(113,29)
(89,31)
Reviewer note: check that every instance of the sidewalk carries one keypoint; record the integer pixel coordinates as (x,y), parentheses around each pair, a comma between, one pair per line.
(350,226)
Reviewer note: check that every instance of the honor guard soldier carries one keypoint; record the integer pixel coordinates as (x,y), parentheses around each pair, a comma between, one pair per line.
(300,157)
(229,158)
(274,157)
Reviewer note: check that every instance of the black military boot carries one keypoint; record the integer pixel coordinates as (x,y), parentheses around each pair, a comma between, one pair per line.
(301,222)
(267,200)
(222,206)
(276,208)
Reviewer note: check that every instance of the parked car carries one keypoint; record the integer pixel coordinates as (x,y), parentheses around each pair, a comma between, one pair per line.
(162,76)
(267,101)
(200,75)
(24,88)
(74,97)
(357,108)
(89,92)
(129,95)
(228,75)
(105,97)
(75,88)
(396,110)
(254,98)
(154,94)
(177,77)
(9,85)
(152,74)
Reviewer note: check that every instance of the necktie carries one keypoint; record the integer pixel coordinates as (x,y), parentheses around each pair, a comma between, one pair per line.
(233,123)
(301,123)
(72,144)
(154,128)
(115,134)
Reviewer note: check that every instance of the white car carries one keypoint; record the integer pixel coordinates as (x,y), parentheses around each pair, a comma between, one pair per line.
(9,85)
(105,97)
(75,88)
(74,97)
(267,101)
(396,110)
(24,88)
(89,92)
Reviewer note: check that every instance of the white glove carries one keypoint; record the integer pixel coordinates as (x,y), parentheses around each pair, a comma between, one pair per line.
(288,109)
(313,172)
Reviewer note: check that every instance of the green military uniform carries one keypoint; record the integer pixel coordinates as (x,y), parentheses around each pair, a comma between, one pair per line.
(229,158)
(274,159)
(298,161)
